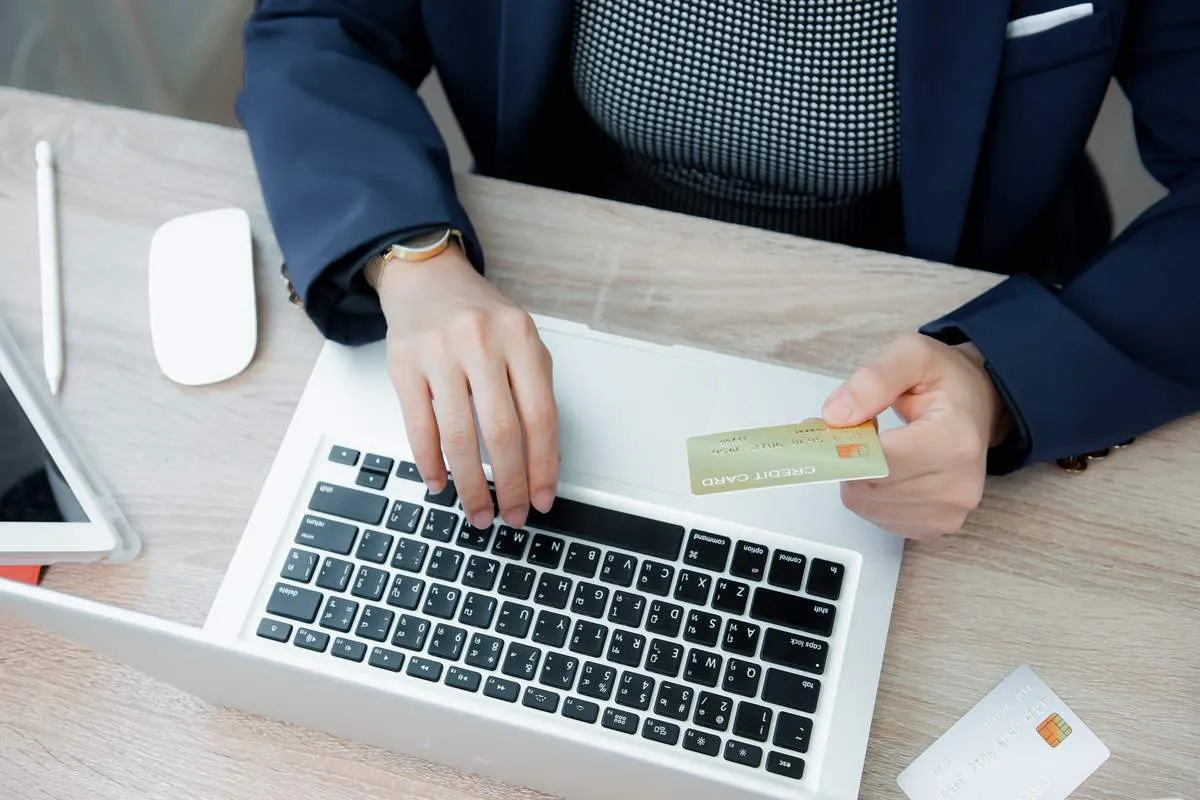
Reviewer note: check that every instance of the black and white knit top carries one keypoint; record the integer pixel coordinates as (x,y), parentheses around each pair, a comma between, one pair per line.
(781,114)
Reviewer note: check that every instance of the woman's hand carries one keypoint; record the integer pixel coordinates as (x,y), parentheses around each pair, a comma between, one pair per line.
(455,341)
(937,462)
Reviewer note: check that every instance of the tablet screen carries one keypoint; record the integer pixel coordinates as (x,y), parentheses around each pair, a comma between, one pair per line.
(31,487)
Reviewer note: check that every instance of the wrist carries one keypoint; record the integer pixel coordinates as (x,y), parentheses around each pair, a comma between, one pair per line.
(998,419)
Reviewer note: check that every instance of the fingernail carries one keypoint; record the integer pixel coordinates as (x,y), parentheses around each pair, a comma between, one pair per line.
(838,407)
(543,499)
(515,517)
(435,486)
(482,520)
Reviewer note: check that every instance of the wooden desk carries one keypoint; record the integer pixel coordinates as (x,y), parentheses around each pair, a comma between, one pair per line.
(1093,578)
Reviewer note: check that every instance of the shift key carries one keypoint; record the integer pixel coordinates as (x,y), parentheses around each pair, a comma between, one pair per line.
(348,503)
(294,603)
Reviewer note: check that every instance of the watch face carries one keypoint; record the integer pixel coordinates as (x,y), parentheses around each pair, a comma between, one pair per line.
(426,240)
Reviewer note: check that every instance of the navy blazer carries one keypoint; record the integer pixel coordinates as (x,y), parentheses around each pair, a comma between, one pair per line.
(992,128)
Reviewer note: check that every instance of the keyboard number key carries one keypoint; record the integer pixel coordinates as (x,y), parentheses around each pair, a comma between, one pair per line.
(596,680)
(558,671)
(752,722)
(713,711)
(674,700)
(635,691)
(484,651)
(447,642)
(521,661)
(410,632)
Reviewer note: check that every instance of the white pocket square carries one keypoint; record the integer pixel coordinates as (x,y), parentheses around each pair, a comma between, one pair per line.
(1036,23)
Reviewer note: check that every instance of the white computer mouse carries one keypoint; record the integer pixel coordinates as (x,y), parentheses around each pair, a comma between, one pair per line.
(203,308)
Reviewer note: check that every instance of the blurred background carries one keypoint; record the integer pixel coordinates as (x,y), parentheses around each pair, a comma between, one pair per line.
(183,57)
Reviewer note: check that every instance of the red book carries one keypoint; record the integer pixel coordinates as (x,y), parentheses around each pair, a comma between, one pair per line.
(24,574)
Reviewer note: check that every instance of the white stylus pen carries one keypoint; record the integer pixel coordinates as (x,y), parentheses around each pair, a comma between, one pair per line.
(52,328)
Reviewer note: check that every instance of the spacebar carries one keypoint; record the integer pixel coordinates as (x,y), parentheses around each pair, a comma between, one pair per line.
(604,526)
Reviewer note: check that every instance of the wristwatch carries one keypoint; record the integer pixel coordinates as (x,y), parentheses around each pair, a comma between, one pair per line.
(419,246)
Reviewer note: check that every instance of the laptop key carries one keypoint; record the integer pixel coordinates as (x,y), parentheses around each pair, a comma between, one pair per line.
(703,667)
(374,546)
(582,560)
(553,591)
(546,551)
(713,711)
(625,647)
(478,610)
(466,679)
(701,742)
(408,471)
(521,661)
(674,700)
(410,555)
(348,649)
(582,710)
(299,566)
(517,581)
(410,632)
(447,497)
(339,614)
(441,601)
(294,603)
(789,611)
(326,534)
(274,630)
(355,504)
(752,722)
(731,596)
(707,550)
(787,570)
(635,691)
(424,668)
(610,528)
(589,638)
(406,592)
(439,525)
(748,755)
(702,628)
(484,651)
(627,609)
(590,599)
(502,689)
(481,573)
(825,579)
(785,765)
(665,618)
(370,584)
(375,623)
(795,651)
(558,671)
(311,640)
(473,538)
(621,721)
(377,463)
(790,690)
(792,732)
(693,587)
(343,455)
(659,731)
(371,480)
(597,680)
(383,658)
(514,620)
(447,642)
(742,677)
(444,564)
(749,561)
(551,629)
(405,517)
(510,542)
(335,574)
(665,658)
(618,568)
(740,637)
(541,699)
(656,578)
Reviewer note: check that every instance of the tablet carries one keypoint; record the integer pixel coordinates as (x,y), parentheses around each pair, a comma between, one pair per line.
(53,507)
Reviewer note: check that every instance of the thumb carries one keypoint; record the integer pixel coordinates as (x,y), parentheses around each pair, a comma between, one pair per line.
(877,385)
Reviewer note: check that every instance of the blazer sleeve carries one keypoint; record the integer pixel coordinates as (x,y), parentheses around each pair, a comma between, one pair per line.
(1116,352)
(347,155)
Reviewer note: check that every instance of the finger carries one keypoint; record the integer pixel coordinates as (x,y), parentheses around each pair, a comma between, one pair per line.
(876,385)
(917,521)
(531,377)
(420,425)
(452,406)
(913,450)
(501,430)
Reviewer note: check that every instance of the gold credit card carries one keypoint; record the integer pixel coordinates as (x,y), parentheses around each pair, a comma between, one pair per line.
(806,452)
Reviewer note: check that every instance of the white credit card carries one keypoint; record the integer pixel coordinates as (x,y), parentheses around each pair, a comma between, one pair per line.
(1021,742)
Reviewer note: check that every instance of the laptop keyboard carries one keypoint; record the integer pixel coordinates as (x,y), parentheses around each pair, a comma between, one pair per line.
(686,638)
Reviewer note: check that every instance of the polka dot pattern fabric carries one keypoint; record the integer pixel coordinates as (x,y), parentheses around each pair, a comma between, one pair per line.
(781,114)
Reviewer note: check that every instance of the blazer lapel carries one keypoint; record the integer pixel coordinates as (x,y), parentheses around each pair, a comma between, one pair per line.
(949,53)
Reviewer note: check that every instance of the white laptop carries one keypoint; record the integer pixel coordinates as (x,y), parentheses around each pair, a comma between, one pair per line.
(636,641)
